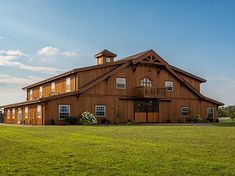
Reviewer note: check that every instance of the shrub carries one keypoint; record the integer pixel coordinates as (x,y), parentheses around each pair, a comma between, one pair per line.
(71,120)
(88,118)
(52,122)
(197,119)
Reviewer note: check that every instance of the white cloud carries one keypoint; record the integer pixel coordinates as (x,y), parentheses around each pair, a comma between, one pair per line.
(71,53)
(8,58)
(13,53)
(48,51)
(52,51)
(6,80)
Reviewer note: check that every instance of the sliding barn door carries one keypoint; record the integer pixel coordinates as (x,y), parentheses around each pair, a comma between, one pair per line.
(146,111)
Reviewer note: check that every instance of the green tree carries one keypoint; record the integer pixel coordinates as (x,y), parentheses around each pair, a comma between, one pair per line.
(232,115)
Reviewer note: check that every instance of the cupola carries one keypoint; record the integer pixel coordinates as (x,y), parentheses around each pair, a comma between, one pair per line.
(105,57)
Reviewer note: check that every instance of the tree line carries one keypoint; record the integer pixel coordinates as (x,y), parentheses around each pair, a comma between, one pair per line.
(228,111)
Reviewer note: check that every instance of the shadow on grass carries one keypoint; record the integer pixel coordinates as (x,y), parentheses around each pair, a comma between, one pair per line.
(225,124)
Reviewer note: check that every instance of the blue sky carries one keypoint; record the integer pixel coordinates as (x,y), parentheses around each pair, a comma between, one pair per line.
(41,38)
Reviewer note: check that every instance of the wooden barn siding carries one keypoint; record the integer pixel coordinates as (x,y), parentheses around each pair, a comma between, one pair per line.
(32,116)
(172,110)
(125,108)
(193,82)
(108,86)
(87,76)
(84,103)
(60,87)
(106,93)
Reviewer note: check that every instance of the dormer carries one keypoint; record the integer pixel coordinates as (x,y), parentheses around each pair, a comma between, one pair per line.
(105,57)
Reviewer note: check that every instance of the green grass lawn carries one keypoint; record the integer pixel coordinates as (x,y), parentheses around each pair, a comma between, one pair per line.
(117,150)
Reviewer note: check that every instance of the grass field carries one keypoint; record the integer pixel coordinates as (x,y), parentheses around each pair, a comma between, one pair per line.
(117,150)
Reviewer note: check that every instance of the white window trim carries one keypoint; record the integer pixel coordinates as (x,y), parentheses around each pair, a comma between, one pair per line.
(39,115)
(53,87)
(59,111)
(167,86)
(108,59)
(117,83)
(213,112)
(26,114)
(146,82)
(182,111)
(40,92)
(13,114)
(68,84)
(8,114)
(104,106)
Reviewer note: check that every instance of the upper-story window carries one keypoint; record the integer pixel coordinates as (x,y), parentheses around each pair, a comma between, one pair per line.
(40,92)
(30,94)
(53,87)
(13,113)
(26,112)
(39,111)
(67,84)
(99,61)
(120,83)
(210,113)
(146,82)
(108,59)
(169,85)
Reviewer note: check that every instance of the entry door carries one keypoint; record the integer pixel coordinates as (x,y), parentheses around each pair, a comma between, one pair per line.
(146,111)
(19,115)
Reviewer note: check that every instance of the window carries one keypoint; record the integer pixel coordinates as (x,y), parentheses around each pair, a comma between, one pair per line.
(146,82)
(13,113)
(26,111)
(8,114)
(30,94)
(210,113)
(120,83)
(169,85)
(67,84)
(19,115)
(100,110)
(108,59)
(40,92)
(99,61)
(39,111)
(64,111)
(184,111)
(53,87)
(147,106)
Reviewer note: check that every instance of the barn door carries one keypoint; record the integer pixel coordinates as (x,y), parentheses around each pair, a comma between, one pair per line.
(146,111)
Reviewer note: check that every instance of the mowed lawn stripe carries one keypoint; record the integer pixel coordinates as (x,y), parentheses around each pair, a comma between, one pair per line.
(117,150)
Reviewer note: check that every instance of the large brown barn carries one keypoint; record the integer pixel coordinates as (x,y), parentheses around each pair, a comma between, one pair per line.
(142,88)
